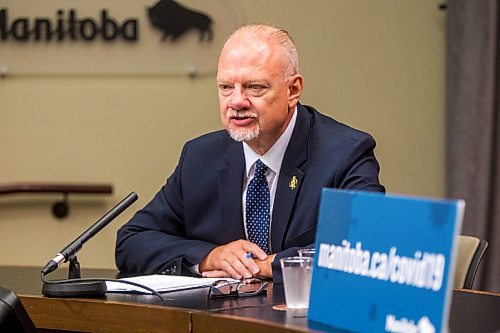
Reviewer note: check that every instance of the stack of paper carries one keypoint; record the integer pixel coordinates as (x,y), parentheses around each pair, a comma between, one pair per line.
(161,283)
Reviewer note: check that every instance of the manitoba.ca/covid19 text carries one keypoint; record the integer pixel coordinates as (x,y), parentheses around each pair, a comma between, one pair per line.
(423,270)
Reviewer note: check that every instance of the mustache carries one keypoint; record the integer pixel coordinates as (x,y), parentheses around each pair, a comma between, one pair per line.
(240,114)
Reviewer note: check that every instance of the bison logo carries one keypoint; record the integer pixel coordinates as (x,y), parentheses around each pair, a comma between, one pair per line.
(174,20)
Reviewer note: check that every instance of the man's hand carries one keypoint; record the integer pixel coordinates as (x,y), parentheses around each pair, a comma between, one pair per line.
(266,269)
(230,260)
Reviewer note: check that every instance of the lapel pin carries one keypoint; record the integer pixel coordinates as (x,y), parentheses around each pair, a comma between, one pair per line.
(293,183)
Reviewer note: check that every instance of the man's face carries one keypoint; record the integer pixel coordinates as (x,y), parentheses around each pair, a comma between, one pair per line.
(254,96)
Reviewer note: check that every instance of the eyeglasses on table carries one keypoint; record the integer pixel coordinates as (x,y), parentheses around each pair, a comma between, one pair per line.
(244,288)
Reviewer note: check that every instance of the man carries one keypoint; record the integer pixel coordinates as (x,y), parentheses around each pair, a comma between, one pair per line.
(242,198)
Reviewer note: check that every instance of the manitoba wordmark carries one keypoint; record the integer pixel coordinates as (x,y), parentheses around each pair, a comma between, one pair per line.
(66,25)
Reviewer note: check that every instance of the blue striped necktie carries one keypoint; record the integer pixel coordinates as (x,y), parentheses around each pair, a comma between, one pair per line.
(258,208)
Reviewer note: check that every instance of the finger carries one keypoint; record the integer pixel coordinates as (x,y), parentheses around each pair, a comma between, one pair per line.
(255,250)
(249,263)
(241,258)
(242,266)
(215,274)
(229,269)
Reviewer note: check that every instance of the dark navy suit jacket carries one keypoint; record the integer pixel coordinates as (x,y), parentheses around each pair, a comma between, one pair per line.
(200,206)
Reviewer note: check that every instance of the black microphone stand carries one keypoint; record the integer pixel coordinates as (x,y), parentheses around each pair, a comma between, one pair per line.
(75,286)
(74,268)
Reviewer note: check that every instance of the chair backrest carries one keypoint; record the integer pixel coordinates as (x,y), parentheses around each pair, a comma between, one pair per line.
(13,316)
(470,252)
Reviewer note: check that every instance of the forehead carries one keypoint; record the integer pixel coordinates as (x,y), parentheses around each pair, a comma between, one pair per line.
(249,58)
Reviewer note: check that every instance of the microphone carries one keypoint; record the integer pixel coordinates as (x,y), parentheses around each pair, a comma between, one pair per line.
(72,248)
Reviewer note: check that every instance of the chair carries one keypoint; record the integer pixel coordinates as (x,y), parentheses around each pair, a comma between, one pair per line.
(13,316)
(470,252)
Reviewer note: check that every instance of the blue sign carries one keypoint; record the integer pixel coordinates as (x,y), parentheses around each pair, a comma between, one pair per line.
(384,263)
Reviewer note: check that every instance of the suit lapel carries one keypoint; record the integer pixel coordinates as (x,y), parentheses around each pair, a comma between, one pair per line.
(290,178)
(230,189)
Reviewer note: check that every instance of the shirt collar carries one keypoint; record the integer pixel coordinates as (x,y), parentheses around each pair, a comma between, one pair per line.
(274,156)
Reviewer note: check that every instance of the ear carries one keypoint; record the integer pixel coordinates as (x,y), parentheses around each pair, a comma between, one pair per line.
(294,90)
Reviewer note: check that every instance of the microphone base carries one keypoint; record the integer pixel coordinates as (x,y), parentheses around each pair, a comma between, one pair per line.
(85,289)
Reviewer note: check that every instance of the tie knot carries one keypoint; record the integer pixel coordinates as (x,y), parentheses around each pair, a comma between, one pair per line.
(260,169)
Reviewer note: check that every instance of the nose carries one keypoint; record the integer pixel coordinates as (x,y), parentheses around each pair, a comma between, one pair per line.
(238,100)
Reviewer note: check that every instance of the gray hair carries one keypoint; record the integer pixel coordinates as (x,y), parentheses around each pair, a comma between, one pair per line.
(268,33)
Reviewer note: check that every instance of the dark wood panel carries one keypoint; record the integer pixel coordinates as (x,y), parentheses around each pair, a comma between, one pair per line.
(211,322)
(84,315)
(474,312)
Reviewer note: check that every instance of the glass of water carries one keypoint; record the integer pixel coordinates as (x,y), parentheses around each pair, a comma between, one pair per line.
(309,252)
(297,273)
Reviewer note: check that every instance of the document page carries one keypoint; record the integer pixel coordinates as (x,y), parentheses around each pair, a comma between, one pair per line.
(162,283)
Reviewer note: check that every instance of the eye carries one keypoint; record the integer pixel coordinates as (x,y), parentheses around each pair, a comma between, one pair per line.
(256,87)
(225,89)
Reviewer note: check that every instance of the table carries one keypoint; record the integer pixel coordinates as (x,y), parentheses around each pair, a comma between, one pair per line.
(190,311)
